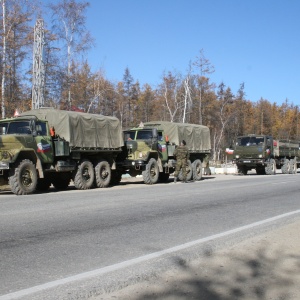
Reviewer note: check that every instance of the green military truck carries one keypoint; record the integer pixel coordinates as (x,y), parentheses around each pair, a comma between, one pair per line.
(84,148)
(265,154)
(150,148)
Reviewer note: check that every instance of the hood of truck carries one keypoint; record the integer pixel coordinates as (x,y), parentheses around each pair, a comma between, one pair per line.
(249,152)
(137,150)
(10,145)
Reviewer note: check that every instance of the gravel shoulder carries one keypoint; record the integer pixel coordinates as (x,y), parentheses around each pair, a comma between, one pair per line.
(266,266)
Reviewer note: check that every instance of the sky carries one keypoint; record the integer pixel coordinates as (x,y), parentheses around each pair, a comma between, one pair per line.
(254,42)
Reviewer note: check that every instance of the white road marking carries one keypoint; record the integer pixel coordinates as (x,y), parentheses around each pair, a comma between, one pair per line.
(134,261)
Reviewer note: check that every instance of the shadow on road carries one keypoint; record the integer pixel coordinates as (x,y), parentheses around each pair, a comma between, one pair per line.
(261,275)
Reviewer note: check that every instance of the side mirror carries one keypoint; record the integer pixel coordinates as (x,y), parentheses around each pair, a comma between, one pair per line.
(32,127)
(154,133)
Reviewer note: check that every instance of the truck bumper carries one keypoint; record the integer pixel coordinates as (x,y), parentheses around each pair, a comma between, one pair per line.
(4,165)
(250,163)
(136,164)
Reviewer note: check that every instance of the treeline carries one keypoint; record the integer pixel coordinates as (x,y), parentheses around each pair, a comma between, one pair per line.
(71,84)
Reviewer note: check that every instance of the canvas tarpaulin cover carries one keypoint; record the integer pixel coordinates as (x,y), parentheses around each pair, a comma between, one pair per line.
(197,137)
(82,130)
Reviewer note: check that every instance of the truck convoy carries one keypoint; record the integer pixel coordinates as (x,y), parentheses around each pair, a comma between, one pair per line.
(150,149)
(48,146)
(265,154)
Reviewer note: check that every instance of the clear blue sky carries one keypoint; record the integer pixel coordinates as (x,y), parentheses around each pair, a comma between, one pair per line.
(252,41)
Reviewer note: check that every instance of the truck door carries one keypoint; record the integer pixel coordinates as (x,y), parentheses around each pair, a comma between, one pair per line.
(162,147)
(43,142)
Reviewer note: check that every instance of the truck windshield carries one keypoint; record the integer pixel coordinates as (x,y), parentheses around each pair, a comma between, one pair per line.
(144,135)
(3,128)
(250,141)
(20,127)
(129,135)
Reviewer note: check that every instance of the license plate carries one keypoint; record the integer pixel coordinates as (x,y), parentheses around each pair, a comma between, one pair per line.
(247,161)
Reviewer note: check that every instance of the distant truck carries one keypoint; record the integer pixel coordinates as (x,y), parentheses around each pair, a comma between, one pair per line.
(47,146)
(265,154)
(150,149)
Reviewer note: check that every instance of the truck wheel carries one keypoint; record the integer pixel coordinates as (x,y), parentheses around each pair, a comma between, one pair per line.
(84,177)
(293,166)
(286,167)
(163,177)
(61,181)
(197,170)
(189,172)
(116,177)
(151,173)
(271,167)
(102,174)
(24,179)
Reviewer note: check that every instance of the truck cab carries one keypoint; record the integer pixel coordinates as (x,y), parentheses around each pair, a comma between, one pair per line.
(252,152)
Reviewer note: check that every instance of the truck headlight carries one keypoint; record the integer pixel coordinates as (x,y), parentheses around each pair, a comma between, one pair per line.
(4,165)
(260,156)
(5,154)
(237,156)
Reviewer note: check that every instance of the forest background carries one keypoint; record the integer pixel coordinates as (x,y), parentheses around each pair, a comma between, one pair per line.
(72,84)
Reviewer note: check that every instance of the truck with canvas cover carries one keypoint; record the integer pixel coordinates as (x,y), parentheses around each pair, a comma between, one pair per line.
(265,154)
(48,146)
(150,149)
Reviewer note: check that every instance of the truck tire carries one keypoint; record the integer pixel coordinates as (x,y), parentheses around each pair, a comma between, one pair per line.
(151,173)
(61,181)
(24,179)
(163,177)
(189,172)
(84,177)
(102,174)
(293,166)
(116,177)
(197,170)
(286,167)
(271,167)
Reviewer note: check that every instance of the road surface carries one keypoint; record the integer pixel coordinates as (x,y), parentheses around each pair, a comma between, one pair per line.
(81,244)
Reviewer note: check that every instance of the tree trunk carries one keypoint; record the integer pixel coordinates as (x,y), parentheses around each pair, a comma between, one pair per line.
(3,60)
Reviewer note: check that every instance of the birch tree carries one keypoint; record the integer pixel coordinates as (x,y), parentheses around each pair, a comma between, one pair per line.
(17,40)
(3,58)
(187,97)
(169,89)
(69,24)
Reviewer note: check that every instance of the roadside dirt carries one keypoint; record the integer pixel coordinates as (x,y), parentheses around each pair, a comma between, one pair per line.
(266,266)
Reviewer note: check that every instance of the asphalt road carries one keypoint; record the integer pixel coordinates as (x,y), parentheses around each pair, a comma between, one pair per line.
(75,244)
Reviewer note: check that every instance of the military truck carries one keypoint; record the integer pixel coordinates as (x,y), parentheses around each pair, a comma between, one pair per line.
(150,149)
(48,146)
(265,154)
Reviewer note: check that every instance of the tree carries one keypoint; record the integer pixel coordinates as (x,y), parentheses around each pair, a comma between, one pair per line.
(170,93)
(17,39)
(205,67)
(128,96)
(69,25)
(225,115)
(3,59)
(146,104)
